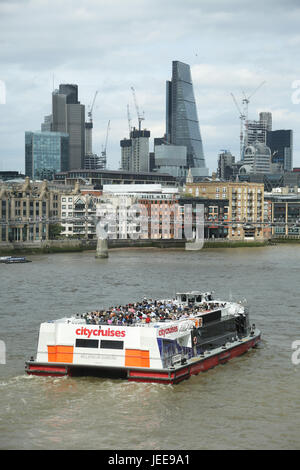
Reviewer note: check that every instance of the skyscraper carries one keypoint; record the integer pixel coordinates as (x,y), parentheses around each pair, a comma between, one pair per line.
(68,115)
(46,153)
(126,152)
(182,125)
(281,145)
(226,163)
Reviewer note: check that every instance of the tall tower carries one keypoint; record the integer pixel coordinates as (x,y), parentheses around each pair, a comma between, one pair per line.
(182,125)
(68,115)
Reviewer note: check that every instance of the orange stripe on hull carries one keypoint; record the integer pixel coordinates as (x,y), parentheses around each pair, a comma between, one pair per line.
(137,358)
(59,353)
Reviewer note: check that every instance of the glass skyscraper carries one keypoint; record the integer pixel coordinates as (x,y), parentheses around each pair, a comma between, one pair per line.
(182,125)
(46,153)
(281,145)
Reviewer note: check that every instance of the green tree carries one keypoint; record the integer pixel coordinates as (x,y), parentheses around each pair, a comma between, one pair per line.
(55,231)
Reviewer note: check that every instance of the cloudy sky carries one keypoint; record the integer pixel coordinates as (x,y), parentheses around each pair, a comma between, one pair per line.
(232,46)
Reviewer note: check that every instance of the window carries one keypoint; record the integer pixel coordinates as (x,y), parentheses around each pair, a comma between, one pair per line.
(87,343)
(107,344)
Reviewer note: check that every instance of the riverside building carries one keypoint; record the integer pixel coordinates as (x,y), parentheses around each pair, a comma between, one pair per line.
(141,211)
(78,212)
(25,210)
(245,205)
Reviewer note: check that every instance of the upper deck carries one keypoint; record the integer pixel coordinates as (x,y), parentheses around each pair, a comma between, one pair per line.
(195,305)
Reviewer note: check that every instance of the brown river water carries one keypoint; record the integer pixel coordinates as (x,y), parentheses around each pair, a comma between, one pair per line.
(252,402)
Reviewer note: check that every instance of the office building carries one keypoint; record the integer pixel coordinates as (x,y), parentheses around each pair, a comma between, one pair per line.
(182,125)
(256,131)
(92,161)
(226,163)
(98,178)
(171,159)
(126,152)
(257,159)
(46,153)
(135,151)
(281,145)
(68,116)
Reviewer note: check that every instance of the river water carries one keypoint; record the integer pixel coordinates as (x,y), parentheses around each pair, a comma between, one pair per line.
(252,402)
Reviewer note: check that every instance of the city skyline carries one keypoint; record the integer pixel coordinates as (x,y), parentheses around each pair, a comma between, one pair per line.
(228,49)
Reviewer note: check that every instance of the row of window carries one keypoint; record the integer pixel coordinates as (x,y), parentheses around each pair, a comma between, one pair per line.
(94,343)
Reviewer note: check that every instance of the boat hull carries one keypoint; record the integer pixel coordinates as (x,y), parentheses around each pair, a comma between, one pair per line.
(165,376)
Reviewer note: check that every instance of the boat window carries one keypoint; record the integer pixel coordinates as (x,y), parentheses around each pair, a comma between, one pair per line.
(106,344)
(183,298)
(191,300)
(87,343)
(198,298)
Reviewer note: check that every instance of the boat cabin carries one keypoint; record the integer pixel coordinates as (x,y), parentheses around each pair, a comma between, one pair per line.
(194,297)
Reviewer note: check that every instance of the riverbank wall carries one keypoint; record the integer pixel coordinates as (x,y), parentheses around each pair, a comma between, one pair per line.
(78,245)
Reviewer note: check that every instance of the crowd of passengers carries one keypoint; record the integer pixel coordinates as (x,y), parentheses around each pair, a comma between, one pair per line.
(147,311)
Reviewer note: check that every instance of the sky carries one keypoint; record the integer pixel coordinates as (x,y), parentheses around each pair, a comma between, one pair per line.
(232,46)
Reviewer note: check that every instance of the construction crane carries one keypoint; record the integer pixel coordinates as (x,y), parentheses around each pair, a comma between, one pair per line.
(88,129)
(246,101)
(140,117)
(90,113)
(242,119)
(129,119)
(103,153)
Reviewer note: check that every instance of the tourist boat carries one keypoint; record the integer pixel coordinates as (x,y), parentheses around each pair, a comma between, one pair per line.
(207,333)
(14,259)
